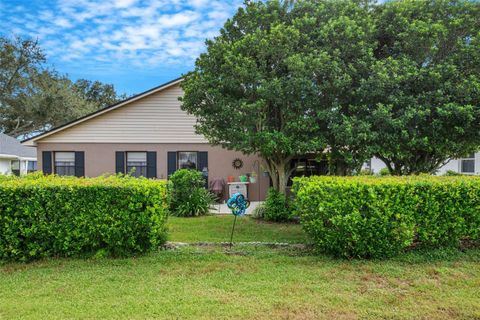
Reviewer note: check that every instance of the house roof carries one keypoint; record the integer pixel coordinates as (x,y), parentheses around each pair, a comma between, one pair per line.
(32,141)
(12,147)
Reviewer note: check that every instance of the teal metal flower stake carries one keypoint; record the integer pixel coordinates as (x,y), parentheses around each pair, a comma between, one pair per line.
(238,204)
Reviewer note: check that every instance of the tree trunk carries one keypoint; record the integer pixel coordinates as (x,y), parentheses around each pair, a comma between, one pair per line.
(279,174)
(282,178)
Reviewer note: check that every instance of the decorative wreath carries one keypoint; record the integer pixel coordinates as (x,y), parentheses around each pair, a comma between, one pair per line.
(237,163)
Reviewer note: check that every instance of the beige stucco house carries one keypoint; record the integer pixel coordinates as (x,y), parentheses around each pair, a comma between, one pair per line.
(148,132)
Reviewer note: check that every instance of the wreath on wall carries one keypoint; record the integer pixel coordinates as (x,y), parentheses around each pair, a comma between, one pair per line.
(237,163)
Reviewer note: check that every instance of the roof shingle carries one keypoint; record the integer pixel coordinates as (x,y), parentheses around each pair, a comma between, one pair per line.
(12,146)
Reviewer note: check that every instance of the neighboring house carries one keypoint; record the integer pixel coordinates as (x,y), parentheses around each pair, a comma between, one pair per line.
(16,158)
(469,165)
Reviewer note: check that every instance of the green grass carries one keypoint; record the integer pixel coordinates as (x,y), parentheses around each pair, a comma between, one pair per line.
(244,284)
(218,229)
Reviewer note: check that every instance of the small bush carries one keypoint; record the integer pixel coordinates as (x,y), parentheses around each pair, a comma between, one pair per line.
(259,212)
(384,172)
(66,216)
(452,173)
(381,216)
(188,196)
(276,207)
(365,172)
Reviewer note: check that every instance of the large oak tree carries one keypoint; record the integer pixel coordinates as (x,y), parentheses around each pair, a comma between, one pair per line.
(34,98)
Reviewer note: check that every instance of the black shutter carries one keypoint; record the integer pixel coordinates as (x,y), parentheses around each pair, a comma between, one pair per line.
(119,162)
(171,163)
(202,158)
(79,163)
(47,162)
(151,164)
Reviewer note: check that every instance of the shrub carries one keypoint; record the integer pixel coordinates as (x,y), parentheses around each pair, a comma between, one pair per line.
(276,207)
(188,196)
(381,216)
(365,172)
(452,173)
(384,172)
(67,216)
(259,211)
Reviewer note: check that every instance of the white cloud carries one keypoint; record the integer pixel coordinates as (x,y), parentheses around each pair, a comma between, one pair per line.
(178,19)
(144,33)
(62,22)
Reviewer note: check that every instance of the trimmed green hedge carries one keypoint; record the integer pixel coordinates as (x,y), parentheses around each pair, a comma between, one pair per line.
(67,216)
(381,216)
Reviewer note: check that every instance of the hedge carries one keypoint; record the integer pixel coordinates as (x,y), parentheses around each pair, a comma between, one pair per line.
(67,216)
(381,216)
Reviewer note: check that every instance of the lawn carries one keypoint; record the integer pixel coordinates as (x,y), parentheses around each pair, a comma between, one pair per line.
(218,229)
(245,282)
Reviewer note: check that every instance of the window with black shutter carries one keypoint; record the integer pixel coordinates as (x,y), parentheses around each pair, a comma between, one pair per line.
(65,163)
(137,164)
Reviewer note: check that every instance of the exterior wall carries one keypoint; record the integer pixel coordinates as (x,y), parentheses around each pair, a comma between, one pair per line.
(23,167)
(5,166)
(156,118)
(453,165)
(100,159)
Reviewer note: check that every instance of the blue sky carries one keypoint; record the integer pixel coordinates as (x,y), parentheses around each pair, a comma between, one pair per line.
(134,44)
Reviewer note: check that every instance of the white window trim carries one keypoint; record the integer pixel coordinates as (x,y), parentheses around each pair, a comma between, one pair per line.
(460,168)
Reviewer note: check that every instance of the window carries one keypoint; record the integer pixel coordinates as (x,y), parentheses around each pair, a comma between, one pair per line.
(137,164)
(467,164)
(15,165)
(65,163)
(187,160)
(31,166)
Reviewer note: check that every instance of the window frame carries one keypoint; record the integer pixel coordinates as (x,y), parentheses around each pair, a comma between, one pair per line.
(35,166)
(14,171)
(143,168)
(196,159)
(461,161)
(63,166)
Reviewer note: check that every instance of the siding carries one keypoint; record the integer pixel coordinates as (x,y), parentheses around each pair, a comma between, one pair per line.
(156,118)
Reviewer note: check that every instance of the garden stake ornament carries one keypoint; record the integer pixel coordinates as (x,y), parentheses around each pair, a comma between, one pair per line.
(238,204)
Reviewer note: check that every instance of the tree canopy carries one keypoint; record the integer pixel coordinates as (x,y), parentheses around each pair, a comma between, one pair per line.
(423,91)
(344,80)
(34,98)
(269,84)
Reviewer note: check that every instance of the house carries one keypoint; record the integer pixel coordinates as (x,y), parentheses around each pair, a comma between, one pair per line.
(16,158)
(148,134)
